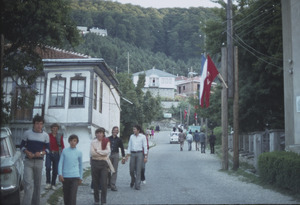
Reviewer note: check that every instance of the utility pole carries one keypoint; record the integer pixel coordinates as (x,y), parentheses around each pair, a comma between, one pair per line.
(224,111)
(128,61)
(236,112)
(229,48)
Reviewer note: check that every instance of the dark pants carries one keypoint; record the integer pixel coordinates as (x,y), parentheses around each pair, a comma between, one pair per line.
(70,186)
(212,147)
(99,172)
(52,159)
(143,178)
(202,147)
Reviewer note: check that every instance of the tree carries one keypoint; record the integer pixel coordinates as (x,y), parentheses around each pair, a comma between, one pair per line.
(26,25)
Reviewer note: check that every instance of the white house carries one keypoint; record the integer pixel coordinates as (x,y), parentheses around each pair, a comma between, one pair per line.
(79,93)
(157,82)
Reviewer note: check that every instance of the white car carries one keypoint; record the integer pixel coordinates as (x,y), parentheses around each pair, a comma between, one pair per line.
(174,137)
(11,169)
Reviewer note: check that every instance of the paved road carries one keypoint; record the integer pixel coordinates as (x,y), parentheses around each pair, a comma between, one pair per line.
(186,177)
(175,177)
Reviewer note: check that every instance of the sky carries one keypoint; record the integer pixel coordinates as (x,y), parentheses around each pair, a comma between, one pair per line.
(170,3)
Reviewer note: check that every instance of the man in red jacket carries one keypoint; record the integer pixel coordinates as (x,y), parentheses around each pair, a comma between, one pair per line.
(52,159)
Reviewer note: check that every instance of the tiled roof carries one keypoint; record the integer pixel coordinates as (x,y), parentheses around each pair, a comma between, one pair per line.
(155,71)
(55,53)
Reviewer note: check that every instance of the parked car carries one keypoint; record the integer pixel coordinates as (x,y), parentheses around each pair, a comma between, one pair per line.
(174,137)
(11,169)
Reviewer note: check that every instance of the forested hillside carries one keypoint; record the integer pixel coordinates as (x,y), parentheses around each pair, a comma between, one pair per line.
(168,39)
(173,40)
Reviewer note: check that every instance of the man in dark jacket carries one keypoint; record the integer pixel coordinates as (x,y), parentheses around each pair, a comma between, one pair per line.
(197,140)
(212,140)
(115,144)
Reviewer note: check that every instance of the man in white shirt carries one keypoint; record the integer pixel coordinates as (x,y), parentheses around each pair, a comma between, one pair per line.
(137,150)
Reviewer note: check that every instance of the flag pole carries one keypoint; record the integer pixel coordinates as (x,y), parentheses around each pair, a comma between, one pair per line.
(221,78)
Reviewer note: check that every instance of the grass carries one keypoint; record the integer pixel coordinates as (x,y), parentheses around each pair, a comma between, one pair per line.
(245,175)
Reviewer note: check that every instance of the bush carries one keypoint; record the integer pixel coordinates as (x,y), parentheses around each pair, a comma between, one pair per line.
(218,133)
(281,169)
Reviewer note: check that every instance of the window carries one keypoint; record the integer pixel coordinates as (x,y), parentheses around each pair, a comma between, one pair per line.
(101,97)
(77,92)
(95,94)
(57,91)
(39,87)
(183,87)
(179,88)
(153,82)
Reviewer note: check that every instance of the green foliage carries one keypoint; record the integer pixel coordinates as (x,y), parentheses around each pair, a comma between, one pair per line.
(218,133)
(144,109)
(258,34)
(27,25)
(281,169)
(169,39)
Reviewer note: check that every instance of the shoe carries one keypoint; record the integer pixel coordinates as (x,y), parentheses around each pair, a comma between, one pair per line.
(144,182)
(53,187)
(137,188)
(96,203)
(108,186)
(114,189)
(131,185)
(48,186)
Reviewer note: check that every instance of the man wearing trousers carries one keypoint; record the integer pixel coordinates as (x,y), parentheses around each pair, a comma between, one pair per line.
(115,144)
(35,144)
(137,143)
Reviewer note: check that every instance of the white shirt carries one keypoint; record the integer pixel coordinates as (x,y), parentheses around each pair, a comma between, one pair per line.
(137,143)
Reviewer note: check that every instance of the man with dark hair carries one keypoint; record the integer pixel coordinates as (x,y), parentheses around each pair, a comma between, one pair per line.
(115,144)
(137,150)
(212,140)
(35,144)
(52,159)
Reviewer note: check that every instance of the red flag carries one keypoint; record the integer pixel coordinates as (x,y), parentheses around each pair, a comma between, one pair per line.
(185,113)
(212,73)
(195,115)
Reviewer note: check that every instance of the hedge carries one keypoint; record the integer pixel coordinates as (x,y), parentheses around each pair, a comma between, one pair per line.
(281,169)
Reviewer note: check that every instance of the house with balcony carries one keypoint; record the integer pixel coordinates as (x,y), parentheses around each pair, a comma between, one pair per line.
(158,82)
(77,92)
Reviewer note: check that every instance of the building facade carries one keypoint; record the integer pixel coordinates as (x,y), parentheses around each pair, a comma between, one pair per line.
(80,94)
(159,83)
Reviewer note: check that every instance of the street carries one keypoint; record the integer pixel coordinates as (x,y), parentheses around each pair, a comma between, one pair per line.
(187,177)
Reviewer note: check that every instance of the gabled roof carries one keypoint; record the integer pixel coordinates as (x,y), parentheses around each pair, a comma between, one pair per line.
(154,71)
(55,53)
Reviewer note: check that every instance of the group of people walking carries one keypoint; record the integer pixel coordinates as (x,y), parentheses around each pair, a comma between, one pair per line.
(67,162)
(199,138)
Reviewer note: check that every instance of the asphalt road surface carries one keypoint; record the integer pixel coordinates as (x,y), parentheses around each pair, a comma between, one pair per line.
(183,177)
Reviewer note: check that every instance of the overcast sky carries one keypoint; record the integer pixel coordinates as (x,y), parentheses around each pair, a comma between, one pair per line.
(170,3)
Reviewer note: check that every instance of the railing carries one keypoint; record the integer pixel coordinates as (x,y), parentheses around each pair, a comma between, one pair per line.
(251,145)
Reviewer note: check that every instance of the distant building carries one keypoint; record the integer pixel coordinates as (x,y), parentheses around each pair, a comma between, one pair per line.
(187,87)
(82,30)
(157,82)
(98,31)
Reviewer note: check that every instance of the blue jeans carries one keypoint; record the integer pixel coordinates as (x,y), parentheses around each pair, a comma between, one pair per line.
(51,159)
(32,181)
